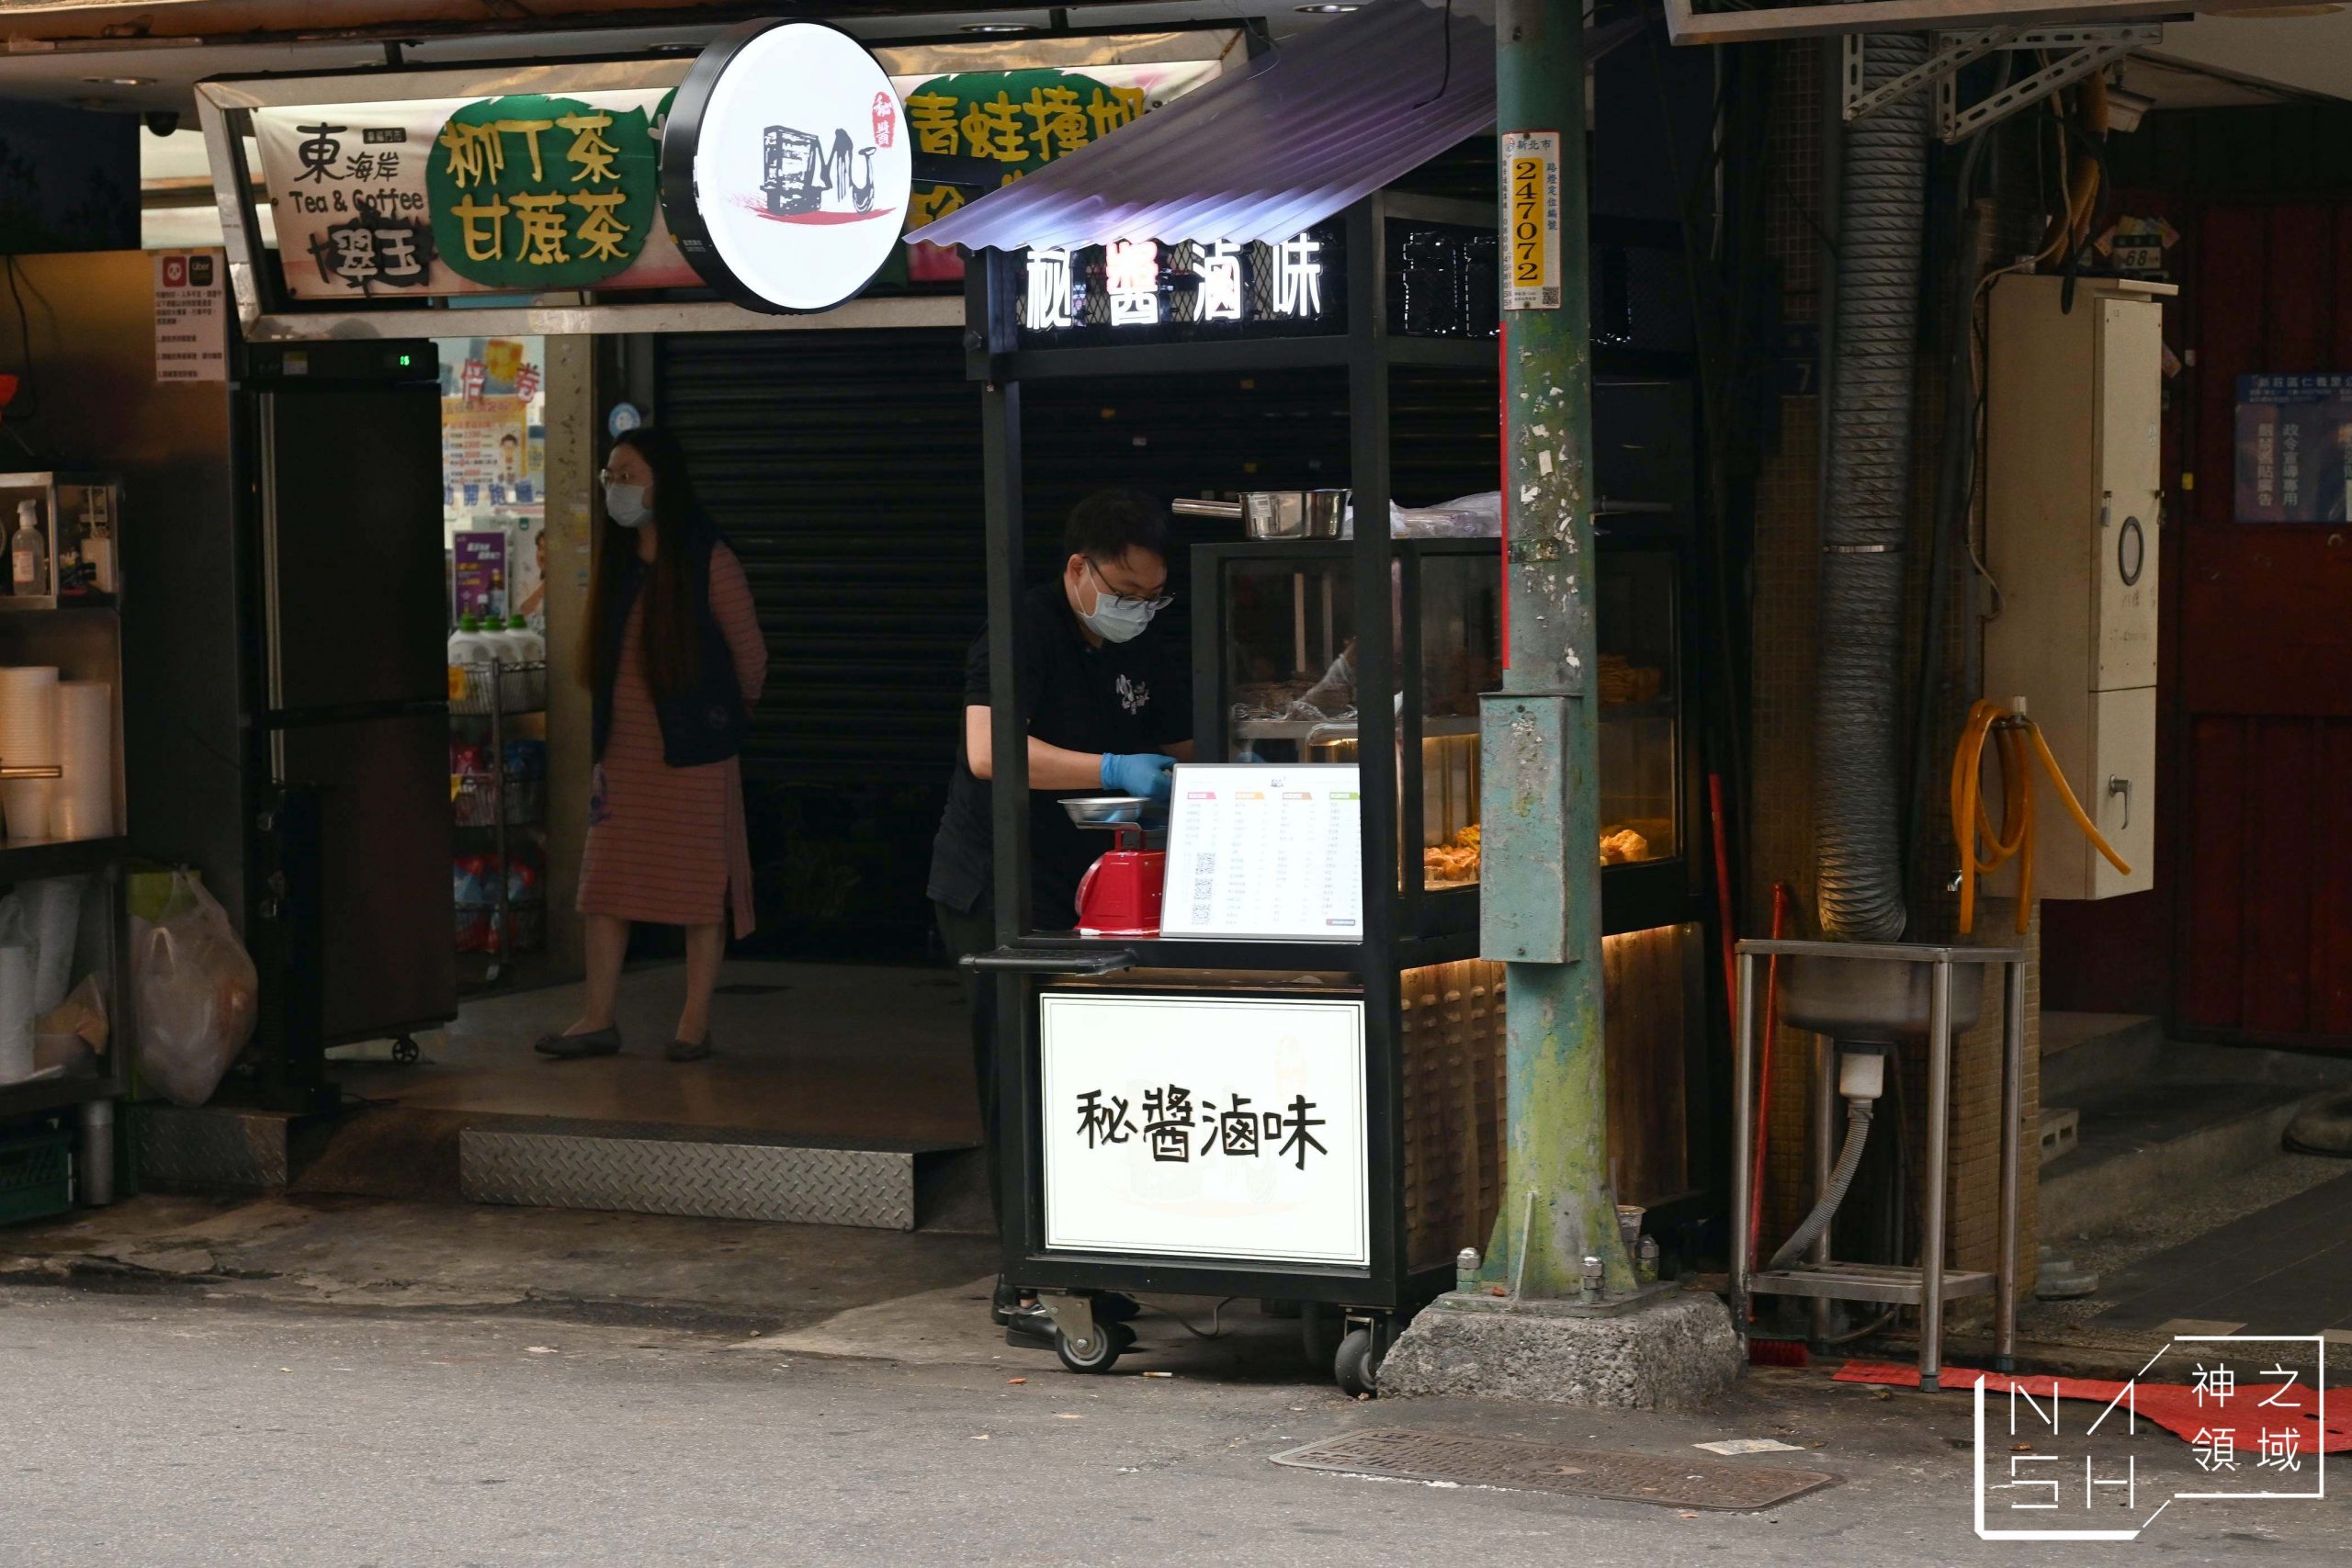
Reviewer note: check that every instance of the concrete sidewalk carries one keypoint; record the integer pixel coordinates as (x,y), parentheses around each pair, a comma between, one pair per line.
(188,1424)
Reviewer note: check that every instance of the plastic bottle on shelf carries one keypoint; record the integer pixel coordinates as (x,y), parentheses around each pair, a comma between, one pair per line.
(531,651)
(27,553)
(97,540)
(469,650)
(466,645)
(497,645)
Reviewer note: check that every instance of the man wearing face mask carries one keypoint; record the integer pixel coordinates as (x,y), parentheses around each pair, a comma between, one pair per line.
(1108,711)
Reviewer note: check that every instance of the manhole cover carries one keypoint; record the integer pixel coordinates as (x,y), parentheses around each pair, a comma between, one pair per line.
(1541,1467)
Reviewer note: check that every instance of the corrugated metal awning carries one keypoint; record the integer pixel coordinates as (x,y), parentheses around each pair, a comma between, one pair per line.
(1260,153)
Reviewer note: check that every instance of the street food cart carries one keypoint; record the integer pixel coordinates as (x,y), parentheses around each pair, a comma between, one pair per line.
(1293,1092)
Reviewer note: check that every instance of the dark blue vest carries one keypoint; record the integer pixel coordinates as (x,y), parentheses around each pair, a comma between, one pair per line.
(708,722)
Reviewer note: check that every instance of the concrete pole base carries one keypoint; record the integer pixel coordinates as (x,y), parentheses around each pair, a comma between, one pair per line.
(1670,1351)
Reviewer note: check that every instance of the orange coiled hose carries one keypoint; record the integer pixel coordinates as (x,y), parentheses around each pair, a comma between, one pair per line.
(1973,825)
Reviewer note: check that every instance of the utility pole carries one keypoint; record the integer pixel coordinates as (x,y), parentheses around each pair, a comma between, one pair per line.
(1538,1322)
(1541,917)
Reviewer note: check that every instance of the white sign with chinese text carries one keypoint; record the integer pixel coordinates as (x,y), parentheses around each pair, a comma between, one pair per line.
(1275,852)
(1209,1127)
(1141,283)
(348,183)
(191,316)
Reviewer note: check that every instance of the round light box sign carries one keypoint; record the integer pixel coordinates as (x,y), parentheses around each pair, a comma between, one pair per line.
(784,166)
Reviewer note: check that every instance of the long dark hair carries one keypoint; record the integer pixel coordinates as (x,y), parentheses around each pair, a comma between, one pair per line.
(672,642)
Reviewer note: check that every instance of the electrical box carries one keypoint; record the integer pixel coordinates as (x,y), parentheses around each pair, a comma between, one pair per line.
(2073,493)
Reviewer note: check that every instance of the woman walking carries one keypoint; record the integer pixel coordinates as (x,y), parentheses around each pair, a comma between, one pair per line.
(676,660)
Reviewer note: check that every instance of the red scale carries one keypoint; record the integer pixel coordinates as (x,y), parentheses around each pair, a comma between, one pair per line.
(1119,894)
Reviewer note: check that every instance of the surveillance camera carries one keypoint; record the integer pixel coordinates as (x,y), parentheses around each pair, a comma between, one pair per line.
(163,122)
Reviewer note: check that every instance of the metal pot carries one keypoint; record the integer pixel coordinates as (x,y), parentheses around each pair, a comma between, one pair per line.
(1326,510)
(1274,514)
(1277,513)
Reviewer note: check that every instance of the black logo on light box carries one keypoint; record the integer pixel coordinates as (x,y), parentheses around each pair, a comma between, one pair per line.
(798,176)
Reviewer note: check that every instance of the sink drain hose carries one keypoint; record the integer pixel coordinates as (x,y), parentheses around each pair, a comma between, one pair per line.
(1841,1176)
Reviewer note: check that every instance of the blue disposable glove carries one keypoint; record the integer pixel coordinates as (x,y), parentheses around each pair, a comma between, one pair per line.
(1145,773)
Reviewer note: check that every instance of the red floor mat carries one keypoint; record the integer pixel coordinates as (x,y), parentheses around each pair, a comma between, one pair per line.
(2172,1405)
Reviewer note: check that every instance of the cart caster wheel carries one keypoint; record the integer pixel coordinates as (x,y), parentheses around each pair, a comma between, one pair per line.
(1356,1364)
(1111,1340)
(405,1049)
(1319,1329)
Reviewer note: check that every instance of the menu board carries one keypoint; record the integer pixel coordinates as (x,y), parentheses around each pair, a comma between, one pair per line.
(1275,852)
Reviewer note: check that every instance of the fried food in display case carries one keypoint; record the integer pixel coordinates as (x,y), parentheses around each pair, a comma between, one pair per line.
(1454,863)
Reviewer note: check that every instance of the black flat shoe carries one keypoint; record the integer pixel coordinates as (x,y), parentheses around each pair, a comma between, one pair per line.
(688,1050)
(573,1047)
(1029,1327)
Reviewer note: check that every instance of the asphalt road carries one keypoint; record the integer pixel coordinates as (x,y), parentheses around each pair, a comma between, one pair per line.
(182,1425)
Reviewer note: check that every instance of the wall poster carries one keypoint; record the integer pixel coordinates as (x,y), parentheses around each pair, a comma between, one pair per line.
(2294,449)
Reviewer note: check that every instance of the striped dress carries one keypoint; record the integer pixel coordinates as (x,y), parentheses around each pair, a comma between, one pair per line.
(667,844)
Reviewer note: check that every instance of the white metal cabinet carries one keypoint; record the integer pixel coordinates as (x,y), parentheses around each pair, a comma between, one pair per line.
(2073,499)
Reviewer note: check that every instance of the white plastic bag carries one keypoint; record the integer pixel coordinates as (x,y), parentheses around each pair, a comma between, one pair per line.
(1476,517)
(16,1063)
(197,994)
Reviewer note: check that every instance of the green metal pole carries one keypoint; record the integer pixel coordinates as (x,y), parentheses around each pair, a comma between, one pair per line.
(1558,1208)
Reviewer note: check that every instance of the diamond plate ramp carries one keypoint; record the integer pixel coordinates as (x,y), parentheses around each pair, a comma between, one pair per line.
(211,1147)
(706,1173)
(1401,1454)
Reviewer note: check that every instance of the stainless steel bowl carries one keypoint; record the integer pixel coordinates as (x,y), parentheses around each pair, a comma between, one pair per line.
(1104,811)
(1274,514)
(1326,510)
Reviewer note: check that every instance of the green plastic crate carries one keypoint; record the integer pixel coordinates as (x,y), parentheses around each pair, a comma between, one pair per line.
(36,1175)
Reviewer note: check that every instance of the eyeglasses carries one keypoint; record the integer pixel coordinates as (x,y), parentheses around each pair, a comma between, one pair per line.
(1115,596)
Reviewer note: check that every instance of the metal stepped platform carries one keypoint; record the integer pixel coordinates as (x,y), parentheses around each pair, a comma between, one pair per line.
(710,1173)
(396,1152)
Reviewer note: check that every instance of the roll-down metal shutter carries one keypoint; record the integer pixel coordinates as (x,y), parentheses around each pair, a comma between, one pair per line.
(846,470)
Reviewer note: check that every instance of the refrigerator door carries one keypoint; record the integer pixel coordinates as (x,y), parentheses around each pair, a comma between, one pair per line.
(389,960)
(355,596)
(353,683)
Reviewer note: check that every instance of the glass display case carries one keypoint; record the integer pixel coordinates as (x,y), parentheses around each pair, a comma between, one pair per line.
(1276,678)
(1640,760)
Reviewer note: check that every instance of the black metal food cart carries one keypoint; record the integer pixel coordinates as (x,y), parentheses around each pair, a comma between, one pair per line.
(1242,1112)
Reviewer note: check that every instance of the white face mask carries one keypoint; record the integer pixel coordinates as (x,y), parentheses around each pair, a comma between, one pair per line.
(1116,618)
(624,504)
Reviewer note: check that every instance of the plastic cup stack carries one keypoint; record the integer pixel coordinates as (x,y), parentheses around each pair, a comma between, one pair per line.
(28,739)
(83,805)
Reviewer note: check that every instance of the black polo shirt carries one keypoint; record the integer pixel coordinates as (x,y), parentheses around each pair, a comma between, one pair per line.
(1122,696)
